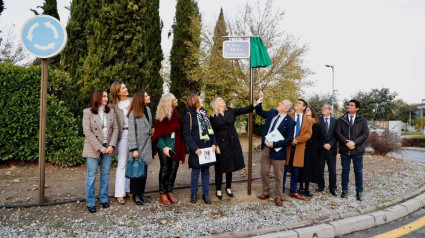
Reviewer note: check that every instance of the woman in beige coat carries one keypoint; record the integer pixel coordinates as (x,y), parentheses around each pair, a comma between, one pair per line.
(101,132)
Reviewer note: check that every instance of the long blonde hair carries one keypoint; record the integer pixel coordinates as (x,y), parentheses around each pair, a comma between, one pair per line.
(115,89)
(215,107)
(165,107)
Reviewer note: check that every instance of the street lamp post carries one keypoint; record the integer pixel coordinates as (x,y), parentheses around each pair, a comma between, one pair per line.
(333,81)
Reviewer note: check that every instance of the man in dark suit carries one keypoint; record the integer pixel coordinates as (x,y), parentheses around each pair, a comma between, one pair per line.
(274,152)
(328,151)
(352,132)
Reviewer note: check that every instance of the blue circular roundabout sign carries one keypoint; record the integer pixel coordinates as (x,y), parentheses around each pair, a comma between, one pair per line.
(43,36)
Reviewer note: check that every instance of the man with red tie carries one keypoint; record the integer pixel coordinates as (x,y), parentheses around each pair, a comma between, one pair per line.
(352,132)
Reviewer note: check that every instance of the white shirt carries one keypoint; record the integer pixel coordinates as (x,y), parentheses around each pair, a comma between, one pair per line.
(104,124)
(301,122)
(124,105)
(282,116)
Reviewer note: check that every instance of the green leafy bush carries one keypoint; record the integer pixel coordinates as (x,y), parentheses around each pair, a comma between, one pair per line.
(414,142)
(19,117)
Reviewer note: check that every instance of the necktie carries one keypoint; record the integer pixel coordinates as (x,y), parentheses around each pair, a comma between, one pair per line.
(351,121)
(327,125)
(275,122)
(298,126)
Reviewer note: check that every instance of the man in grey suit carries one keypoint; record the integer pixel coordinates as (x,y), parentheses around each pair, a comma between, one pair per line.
(328,151)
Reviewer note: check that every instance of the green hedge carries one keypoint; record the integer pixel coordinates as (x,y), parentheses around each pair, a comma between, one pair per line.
(414,142)
(19,117)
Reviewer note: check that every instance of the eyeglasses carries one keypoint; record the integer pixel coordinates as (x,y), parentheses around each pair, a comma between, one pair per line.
(326,108)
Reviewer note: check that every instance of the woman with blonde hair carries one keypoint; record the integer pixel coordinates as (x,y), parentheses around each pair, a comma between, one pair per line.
(198,134)
(230,156)
(120,102)
(168,143)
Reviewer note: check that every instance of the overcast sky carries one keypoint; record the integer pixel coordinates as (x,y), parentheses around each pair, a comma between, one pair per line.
(371,43)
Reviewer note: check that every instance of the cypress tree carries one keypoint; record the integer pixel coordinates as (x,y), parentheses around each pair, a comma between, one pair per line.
(50,7)
(75,52)
(184,58)
(1,6)
(123,42)
(218,72)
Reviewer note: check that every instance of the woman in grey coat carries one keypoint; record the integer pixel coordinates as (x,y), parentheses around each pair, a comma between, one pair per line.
(139,140)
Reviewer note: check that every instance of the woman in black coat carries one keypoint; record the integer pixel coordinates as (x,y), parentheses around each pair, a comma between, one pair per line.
(229,151)
(309,174)
(198,134)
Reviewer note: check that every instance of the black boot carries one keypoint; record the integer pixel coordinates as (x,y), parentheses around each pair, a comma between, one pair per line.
(206,198)
(193,198)
(144,198)
(137,199)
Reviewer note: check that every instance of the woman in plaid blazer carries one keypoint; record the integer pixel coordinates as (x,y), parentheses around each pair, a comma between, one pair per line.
(101,132)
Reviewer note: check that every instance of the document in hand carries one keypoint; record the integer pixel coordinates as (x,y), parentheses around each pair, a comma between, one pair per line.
(207,156)
(275,136)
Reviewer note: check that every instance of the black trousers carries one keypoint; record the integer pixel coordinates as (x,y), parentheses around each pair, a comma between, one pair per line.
(137,186)
(219,180)
(167,172)
(330,160)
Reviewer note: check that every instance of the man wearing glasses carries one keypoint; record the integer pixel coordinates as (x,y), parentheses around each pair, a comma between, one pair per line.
(328,151)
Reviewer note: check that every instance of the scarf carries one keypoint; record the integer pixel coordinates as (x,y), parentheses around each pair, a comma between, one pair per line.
(165,128)
(204,126)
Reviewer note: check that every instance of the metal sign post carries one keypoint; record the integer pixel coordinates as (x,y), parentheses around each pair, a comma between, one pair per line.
(242,50)
(44,37)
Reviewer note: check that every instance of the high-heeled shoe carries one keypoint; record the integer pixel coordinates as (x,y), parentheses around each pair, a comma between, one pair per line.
(218,196)
(229,194)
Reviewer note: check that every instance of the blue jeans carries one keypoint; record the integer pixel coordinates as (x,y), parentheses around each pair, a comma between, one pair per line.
(295,171)
(205,177)
(105,167)
(358,171)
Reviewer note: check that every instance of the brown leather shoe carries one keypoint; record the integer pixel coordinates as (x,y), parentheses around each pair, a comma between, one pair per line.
(120,200)
(297,195)
(171,197)
(164,199)
(278,202)
(263,196)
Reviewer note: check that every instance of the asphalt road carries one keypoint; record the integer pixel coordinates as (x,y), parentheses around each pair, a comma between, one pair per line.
(420,233)
(414,155)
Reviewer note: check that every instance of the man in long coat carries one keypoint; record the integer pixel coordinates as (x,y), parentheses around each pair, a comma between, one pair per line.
(295,151)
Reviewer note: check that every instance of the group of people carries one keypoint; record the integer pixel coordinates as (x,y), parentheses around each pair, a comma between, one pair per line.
(306,143)
(298,142)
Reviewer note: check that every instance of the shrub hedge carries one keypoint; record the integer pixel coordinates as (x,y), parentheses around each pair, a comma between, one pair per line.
(19,117)
(414,142)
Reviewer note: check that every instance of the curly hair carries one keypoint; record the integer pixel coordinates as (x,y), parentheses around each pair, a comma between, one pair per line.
(165,107)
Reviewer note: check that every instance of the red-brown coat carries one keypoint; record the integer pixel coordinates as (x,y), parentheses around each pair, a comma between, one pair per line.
(305,135)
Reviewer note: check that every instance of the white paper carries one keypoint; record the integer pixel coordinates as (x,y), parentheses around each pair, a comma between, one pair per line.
(275,136)
(207,156)
(173,135)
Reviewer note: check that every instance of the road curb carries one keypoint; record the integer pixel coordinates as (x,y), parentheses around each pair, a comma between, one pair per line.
(341,224)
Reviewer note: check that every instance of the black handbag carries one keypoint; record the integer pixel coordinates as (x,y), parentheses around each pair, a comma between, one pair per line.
(136,168)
